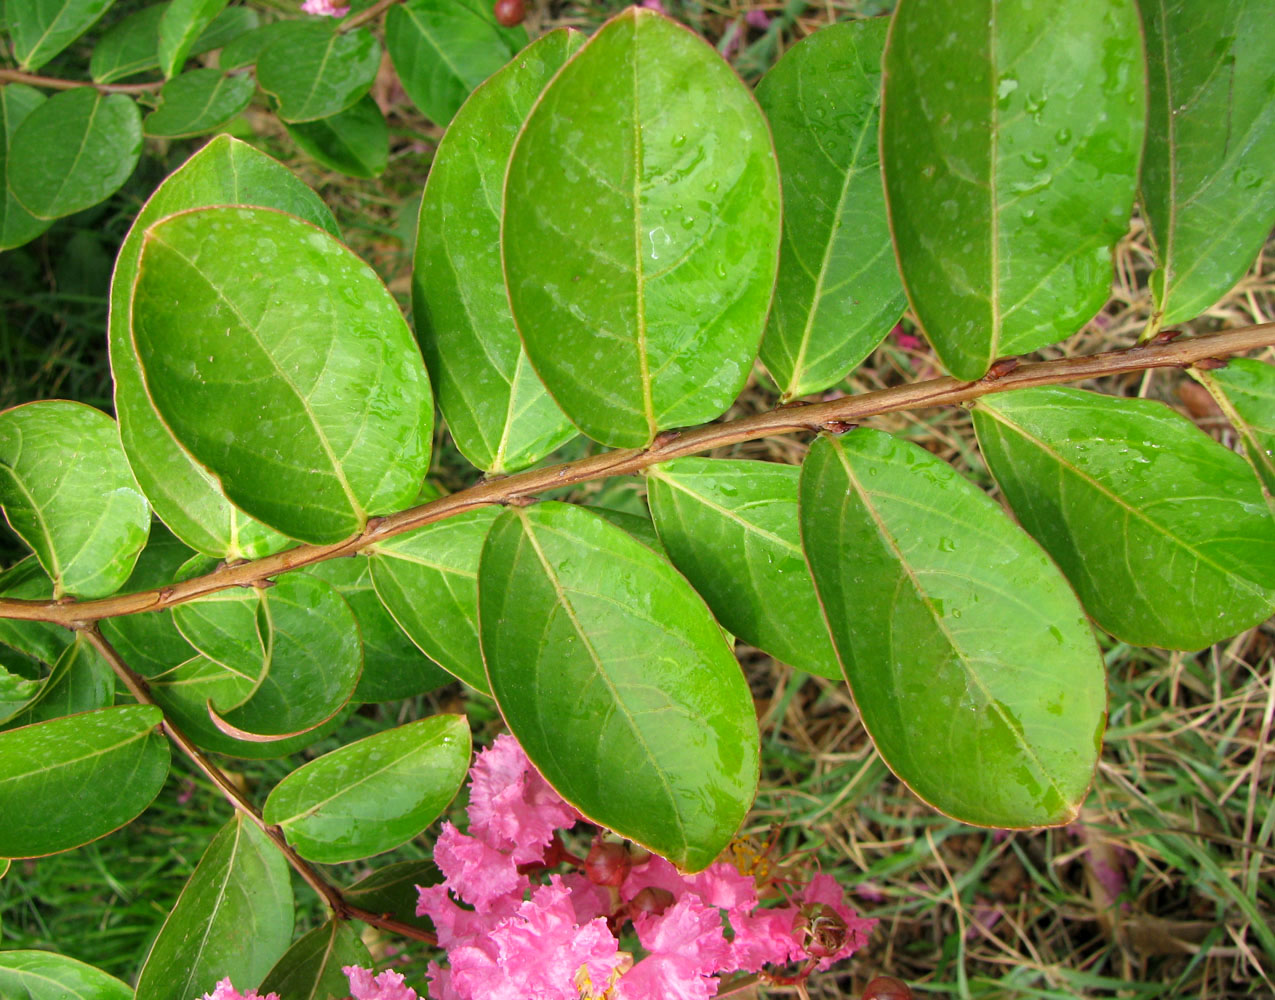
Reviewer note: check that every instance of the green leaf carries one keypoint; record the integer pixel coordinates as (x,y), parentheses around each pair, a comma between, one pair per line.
(67,491)
(81,681)
(184,495)
(355,141)
(838,292)
(69,781)
(132,46)
(374,794)
(392,890)
(970,660)
(247,48)
(393,666)
(40,29)
(443,49)
(43,975)
(300,388)
(315,71)
(4,870)
(42,641)
(16,693)
(1245,389)
(1010,141)
(181,24)
(641,285)
(233,918)
(74,150)
(1162,531)
(732,528)
(497,411)
(428,581)
(1207,188)
(17,225)
(311,969)
(617,682)
(197,102)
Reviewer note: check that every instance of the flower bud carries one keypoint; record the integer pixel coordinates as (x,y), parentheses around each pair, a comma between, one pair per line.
(887,988)
(823,930)
(651,900)
(509,12)
(608,863)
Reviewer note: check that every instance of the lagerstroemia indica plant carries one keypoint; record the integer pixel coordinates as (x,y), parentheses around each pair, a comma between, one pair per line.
(601,251)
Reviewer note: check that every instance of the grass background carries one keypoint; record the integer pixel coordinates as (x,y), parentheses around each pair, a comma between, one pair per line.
(1165,885)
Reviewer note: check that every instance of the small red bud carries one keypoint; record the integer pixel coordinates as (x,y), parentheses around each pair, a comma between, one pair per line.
(887,988)
(824,932)
(608,863)
(509,12)
(651,900)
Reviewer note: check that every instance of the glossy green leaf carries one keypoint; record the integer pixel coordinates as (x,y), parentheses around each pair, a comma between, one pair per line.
(81,681)
(311,968)
(1245,389)
(443,49)
(971,662)
(4,868)
(40,29)
(497,411)
(132,46)
(315,71)
(42,641)
(640,287)
(393,666)
(639,526)
(182,23)
(732,528)
(392,890)
(306,396)
(233,918)
(17,225)
(197,102)
(74,150)
(1207,187)
(355,141)
(68,781)
(16,693)
(614,676)
(184,495)
(428,581)
(225,627)
(1010,142)
(1162,531)
(44,975)
(244,51)
(374,794)
(67,491)
(838,292)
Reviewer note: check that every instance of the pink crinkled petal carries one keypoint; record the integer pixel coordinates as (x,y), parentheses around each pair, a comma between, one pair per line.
(689,929)
(824,890)
(324,8)
(440,983)
(655,873)
(722,885)
(588,900)
(511,806)
(477,873)
(455,925)
(665,977)
(225,991)
(764,937)
(386,986)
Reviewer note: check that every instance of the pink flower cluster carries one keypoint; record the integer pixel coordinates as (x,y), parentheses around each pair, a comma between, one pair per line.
(363,986)
(324,8)
(522,939)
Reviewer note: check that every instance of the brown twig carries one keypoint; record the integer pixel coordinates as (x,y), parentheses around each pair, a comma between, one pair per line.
(330,894)
(57,83)
(835,415)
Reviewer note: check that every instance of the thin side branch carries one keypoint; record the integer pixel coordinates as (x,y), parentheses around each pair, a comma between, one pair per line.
(330,894)
(363,16)
(57,83)
(835,415)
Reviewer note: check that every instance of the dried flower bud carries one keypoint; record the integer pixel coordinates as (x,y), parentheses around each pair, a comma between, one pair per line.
(887,988)
(652,900)
(823,931)
(509,12)
(608,863)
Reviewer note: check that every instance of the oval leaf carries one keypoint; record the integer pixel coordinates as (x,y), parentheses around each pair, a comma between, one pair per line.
(131,46)
(640,285)
(315,71)
(838,292)
(17,225)
(392,890)
(617,682)
(183,494)
(199,101)
(1208,192)
(40,29)
(443,49)
(300,388)
(356,141)
(311,969)
(1162,531)
(74,150)
(180,25)
(970,660)
(497,411)
(42,975)
(1010,142)
(732,528)
(81,681)
(68,781)
(67,491)
(374,794)
(233,918)
(428,581)
(1245,389)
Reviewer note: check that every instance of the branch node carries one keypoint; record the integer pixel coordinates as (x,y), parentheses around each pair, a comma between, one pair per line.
(1163,337)
(837,426)
(665,438)
(1000,368)
(1208,364)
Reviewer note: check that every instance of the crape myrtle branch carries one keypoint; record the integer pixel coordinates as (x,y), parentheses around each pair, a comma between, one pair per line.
(330,894)
(836,415)
(57,83)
